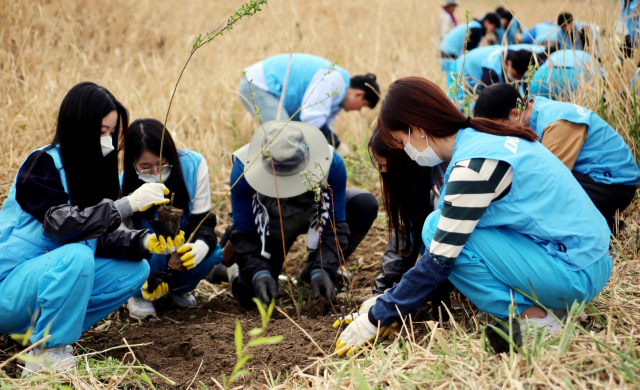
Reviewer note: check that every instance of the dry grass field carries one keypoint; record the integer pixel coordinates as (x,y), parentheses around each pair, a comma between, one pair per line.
(137,50)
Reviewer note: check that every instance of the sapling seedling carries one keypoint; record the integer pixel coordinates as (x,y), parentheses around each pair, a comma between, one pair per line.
(254,341)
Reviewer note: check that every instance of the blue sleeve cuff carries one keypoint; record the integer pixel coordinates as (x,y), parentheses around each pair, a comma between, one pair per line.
(372,318)
(413,290)
(318,272)
(258,275)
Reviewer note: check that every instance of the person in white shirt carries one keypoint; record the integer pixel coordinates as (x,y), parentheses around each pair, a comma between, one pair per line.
(316,92)
(447,20)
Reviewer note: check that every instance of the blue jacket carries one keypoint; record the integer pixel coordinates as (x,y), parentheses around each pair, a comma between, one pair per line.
(21,235)
(563,71)
(553,210)
(453,42)
(605,157)
(303,68)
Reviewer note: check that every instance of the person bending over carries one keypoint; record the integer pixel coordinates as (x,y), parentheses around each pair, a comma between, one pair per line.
(65,264)
(186,174)
(488,65)
(308,87)
(502,226)
(455,43)
(334,223)
(595,153)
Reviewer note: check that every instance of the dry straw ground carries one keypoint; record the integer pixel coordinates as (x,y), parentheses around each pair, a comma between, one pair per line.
(137,49)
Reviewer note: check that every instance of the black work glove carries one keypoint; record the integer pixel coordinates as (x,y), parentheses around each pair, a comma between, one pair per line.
(321,284)
(265,288)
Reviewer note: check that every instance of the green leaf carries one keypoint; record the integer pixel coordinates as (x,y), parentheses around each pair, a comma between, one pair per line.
(533,292)
(270,310)
(263,312)
(241,362)
(236,375)
(144,377)
(362,383)
(265,340)
(238,338)
(255,332)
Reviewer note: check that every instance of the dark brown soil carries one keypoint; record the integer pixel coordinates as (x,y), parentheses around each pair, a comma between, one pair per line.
(182,339)
(175,263)
(169,213)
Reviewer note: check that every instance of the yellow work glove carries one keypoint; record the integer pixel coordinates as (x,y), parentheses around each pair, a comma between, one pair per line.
(155,244)
(193,253)
(159,292)
(364,309)
(174,243)
(355,335)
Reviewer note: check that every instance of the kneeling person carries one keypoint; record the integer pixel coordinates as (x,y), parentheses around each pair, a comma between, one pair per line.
(186,174)
(334,226)
(596,154)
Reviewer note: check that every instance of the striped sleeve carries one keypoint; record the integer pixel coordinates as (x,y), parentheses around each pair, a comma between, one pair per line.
(473,184)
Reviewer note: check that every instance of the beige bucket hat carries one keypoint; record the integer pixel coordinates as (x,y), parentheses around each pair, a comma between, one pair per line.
(298,147)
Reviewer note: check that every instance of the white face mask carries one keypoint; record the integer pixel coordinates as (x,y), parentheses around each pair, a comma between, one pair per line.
(106,144)
(426,158)
(510,77)
(149,178)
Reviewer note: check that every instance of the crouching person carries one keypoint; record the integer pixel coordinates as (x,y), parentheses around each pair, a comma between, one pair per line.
(64,262)
(186,174)
(595,153)
(503,228)
(334,226)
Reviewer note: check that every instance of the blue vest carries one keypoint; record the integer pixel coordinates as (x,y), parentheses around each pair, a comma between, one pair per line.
(545,203)
(21,235)
(630,19)
(453,42)
(562,72)
(604,156)
(303,68)
(547,31)
(472,62)
(495,59)
(190,162)
(511,34)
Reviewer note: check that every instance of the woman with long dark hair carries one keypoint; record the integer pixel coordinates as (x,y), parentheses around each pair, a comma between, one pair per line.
(402,182)
(186,174)
(506,231)
(64,262)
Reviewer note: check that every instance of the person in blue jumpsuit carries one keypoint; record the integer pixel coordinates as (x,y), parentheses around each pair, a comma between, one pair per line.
(335,220)
(310,87)
(595,153)
(65,264)
(630,16)
(559,77)
(488,65)
(455,43)
(186,174)
(504,233)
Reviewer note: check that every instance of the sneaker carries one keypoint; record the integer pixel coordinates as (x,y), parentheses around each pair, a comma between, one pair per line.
(183,300)
(59,359)
(140,309)
(548,322)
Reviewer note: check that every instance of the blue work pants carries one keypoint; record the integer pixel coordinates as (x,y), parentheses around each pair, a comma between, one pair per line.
(67,290)
(496,259)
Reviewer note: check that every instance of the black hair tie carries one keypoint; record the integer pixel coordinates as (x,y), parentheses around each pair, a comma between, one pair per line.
(467,123)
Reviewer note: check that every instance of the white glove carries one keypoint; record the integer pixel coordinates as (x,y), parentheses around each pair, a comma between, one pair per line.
(355,335)
(343,150)
(149,194)
(364,310)
(193,253)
